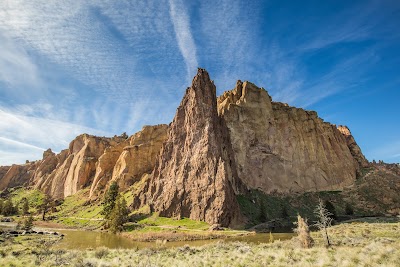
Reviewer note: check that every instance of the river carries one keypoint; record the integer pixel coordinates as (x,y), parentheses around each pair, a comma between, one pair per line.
(78,239)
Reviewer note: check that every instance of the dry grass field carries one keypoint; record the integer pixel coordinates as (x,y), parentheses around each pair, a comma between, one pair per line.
(354,244)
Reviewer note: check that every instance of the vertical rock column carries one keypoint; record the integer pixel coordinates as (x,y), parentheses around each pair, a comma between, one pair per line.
(194,175)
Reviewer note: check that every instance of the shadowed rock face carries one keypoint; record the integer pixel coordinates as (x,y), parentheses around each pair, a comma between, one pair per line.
(282,148)
(193,176)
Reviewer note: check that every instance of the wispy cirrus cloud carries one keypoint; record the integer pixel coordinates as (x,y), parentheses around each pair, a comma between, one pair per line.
(16,67)
(228,41)
(181,22)
(86,67)
(338,78)
(112,66)
(95,42)
(29,136)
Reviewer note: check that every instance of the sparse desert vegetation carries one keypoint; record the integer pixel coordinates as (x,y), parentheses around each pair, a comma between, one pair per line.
(353,244)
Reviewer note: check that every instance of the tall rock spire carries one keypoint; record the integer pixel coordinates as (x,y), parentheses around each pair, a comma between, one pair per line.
(194,176)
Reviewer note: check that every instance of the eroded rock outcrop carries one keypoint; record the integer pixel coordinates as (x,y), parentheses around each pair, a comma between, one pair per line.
(354,148)
(129,160)
(16,175)
(75,167)
(282,148)
(140,156)
(89,162)
(194,175)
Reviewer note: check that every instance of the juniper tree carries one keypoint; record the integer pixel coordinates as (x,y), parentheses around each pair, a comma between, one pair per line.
(109,200)
(119,215)
(8,208)
(46,206)
(324,221)
(28,223)
(25,206)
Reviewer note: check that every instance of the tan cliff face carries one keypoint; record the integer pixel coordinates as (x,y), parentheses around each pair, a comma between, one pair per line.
(16,175)
(193,176)
(140,156)
(128,161)
(282,148)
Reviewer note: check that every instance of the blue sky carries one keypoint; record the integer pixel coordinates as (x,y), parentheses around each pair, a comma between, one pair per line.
(108,67)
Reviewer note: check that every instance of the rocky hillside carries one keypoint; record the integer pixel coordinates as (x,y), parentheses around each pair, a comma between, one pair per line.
(90,162)
(214,150)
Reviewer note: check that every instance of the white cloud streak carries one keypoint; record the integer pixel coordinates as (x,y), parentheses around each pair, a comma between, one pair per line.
(19,144)
(183,34)
(20,132)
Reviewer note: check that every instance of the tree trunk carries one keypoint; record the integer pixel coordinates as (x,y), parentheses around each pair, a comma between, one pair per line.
(328,243)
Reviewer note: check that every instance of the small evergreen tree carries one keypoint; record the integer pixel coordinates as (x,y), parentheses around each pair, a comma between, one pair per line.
(109,200)
(46,206)
(8,208)
(124,209)
(28,223)
(16,209)
(119,215)
(25,206)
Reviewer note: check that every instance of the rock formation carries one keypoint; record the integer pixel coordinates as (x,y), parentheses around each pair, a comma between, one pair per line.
(128,161)
(354,148)
(15,175)
(282,148)
(213,150)
(89,162)
(194,174)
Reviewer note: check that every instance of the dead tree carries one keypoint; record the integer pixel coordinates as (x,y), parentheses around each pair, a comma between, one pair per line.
(324,221)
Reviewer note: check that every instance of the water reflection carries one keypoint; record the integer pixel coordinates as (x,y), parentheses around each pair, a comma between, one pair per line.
(75,239)
(87,239)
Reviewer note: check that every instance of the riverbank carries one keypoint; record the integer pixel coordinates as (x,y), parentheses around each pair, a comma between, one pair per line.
(177,234)
(354,244)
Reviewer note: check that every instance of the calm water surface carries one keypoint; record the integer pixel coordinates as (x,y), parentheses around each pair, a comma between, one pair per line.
(77,239)
(89,239)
